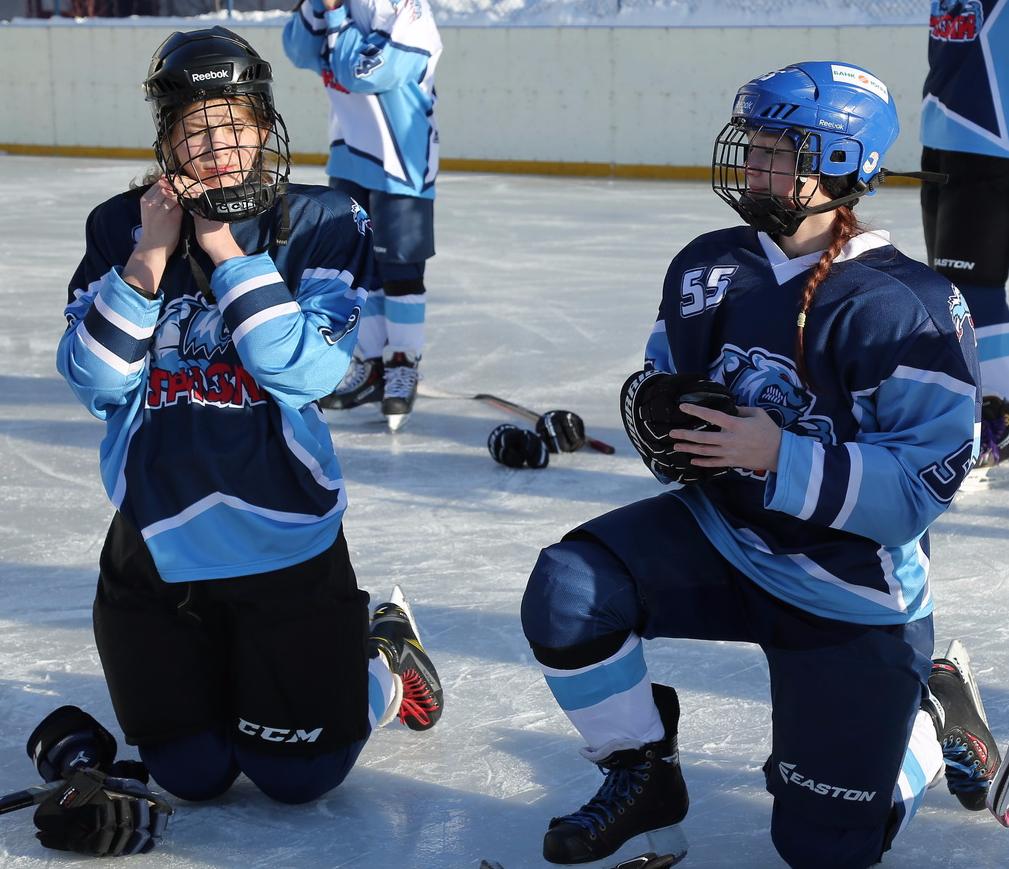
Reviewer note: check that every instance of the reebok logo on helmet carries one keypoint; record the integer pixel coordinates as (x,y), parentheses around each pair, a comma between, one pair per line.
(212,75)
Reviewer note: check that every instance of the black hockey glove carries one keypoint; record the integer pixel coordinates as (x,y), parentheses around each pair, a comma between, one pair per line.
(650,406)
(561,430)
(68,739)
(516,447)
(92,813)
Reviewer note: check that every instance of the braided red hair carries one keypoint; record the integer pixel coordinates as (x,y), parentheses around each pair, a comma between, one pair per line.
(845,227)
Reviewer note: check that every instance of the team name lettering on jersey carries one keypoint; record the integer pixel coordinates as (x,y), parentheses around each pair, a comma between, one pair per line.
(957,21)
(193,359)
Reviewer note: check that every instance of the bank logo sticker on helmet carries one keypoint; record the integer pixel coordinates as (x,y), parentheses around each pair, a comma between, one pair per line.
(860,78)
(212,75)
(870,162)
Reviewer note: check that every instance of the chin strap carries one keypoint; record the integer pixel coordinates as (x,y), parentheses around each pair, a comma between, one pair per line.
(861,189)
(189,243)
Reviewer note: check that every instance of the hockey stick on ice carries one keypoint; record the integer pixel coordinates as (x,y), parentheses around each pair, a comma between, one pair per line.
(508,406)
(28,797)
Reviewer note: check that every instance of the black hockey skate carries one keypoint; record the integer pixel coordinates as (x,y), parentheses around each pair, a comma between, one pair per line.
(968,748)
(401,377)
(998,795)
(363,383)
(643,792)
(394,634)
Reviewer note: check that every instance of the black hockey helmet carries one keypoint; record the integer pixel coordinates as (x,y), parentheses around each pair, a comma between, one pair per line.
(215,65)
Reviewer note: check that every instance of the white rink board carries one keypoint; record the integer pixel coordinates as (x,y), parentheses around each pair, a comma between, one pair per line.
(615,95)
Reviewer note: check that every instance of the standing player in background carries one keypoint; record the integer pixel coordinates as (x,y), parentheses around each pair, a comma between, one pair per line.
(965,133)
(814,392)
(212,310)
(377,60)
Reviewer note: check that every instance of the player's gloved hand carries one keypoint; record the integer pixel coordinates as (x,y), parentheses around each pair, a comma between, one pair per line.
(95,814)
(517,448)
(562,430)
(650,406)
(67,739)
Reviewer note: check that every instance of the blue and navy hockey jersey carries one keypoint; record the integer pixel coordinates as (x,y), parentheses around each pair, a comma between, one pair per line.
(966,93)
(377,60)
(215,448)
(872,450)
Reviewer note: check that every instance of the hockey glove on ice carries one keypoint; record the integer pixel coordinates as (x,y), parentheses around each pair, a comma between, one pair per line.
(561,430)
(650,406)
(92,813)
(67,739)
(516,447)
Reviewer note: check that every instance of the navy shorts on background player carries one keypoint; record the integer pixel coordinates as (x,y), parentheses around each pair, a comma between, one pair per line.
(967,219)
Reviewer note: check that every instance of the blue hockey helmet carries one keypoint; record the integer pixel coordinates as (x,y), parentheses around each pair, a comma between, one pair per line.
(833,120)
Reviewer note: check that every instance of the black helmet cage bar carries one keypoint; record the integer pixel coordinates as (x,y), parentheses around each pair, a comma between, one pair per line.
(798,161)
(248,177)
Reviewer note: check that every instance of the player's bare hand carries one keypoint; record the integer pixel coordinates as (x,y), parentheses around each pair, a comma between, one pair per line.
(750,440)
(216,239)
(161,218)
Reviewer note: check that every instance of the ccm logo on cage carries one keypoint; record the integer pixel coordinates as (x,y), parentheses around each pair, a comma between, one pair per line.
(278,734)
(791,777)
(219,74)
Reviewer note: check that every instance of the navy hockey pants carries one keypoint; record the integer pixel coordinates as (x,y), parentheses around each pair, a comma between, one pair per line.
(844,696)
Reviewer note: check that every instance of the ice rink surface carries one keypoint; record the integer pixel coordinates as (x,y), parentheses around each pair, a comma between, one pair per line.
(543,291)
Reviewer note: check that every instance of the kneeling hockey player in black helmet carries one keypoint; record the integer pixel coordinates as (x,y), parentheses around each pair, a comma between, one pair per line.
(212,310)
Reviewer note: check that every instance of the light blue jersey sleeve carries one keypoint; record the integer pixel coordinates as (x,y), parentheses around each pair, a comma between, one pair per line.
(305,36)
(657,354)
(103,353)
(298,345)
(370,62)
(918,440)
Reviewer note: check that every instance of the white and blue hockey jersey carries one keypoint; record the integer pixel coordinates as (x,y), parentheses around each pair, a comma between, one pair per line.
(377,59)
(215,448)
(872,450)
(966,92)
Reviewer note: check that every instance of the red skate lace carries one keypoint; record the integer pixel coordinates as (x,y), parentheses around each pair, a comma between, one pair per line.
(417,699)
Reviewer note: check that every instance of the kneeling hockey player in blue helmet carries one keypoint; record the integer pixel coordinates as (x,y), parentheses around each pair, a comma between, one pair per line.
(812,394)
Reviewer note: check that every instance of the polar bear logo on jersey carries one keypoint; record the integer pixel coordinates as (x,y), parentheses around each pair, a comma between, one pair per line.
(762,379)
(191,331)
(959,312)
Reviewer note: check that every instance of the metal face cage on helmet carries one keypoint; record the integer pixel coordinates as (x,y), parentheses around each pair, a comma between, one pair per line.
(826,121)
(220,141)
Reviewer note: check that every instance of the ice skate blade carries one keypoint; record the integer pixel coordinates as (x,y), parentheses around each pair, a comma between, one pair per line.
(396,421)
(957,653)
(399,599)
(663,847)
